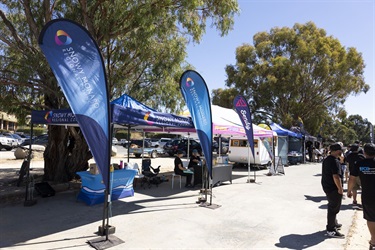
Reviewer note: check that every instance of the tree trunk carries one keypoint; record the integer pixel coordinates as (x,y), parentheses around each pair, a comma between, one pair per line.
(65,154)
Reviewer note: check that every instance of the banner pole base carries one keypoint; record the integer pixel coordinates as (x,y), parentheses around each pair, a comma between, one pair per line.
(208,205)
(103,243)
(103,231)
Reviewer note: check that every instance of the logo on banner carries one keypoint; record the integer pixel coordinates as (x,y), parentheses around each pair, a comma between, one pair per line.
(189,82)
(147,115)
(246,121)
(73,61)
(48,116)
(62,38)
(241,103)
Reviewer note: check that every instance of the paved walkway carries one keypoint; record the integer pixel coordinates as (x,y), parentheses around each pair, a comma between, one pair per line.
(284,211)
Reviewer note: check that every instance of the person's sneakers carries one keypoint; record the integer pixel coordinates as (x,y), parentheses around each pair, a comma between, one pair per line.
(335,234)
(355,203)
(338,226)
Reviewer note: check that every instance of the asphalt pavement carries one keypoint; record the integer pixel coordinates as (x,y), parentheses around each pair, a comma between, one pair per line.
(280,211)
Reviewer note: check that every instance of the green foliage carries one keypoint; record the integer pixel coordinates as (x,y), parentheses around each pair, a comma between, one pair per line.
(360,126)
(292,73)
(348,130)
(37,131)
(121,134)
(143,44)
(224,97)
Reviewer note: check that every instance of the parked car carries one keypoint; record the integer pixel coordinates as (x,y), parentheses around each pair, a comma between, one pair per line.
(123,142)
(139,143)
(175,145)
(39,140)
(6,142)
(159,142)
(154,142)
(114,141)
(23,135)
(17,138)
(163,141)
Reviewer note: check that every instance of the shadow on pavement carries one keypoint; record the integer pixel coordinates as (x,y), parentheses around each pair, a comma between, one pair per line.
(298,241)
(62,212)
(315,198)
(342,208)
(39,243)
(319,199)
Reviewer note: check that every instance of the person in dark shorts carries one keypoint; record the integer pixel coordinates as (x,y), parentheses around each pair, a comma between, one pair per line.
(332,187)
(354,156)
(365,169)
(179,169)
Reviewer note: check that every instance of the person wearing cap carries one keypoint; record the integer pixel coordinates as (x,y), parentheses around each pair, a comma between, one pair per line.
(332,187)
(179,168)
(365,169)
(354,156)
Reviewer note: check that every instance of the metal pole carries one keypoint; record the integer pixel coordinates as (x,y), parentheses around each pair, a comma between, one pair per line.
(188,147)
(211,193)
(108,189)
(28,164)
(128,146)
(248,164)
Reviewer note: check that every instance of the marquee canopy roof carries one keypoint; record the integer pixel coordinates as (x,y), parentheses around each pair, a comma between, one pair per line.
(128,112)
(284,132)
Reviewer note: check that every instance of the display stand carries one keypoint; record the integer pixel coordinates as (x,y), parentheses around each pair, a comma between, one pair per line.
(93,190)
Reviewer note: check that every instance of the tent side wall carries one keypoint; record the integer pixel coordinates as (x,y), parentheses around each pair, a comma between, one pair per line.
(295,144)
(283,149)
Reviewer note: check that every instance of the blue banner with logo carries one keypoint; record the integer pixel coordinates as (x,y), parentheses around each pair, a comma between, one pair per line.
(197,98)
(243,110)
(75,59)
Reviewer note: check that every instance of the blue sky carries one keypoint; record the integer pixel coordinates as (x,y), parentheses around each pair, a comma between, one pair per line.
(351,22)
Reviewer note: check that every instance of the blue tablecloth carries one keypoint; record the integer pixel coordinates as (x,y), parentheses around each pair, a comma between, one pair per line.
(93,190)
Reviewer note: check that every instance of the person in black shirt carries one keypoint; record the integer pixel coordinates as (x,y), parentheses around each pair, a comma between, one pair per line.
(332,187)
(351,159)
(195,164)
(179,169)
(310,150)
(365,169)
(194,159)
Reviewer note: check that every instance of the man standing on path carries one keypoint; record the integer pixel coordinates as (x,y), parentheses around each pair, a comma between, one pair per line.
(351,159)
(365,169)
(332,187)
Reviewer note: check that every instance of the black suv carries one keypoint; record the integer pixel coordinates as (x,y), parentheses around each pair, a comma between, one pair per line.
(175,145)
(39,140)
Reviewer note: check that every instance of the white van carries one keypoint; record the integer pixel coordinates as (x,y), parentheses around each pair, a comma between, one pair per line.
(263,150)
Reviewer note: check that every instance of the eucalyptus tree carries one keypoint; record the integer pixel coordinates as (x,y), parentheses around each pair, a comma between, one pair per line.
(296,73)
(224,97)
(360,126)
(143,44)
